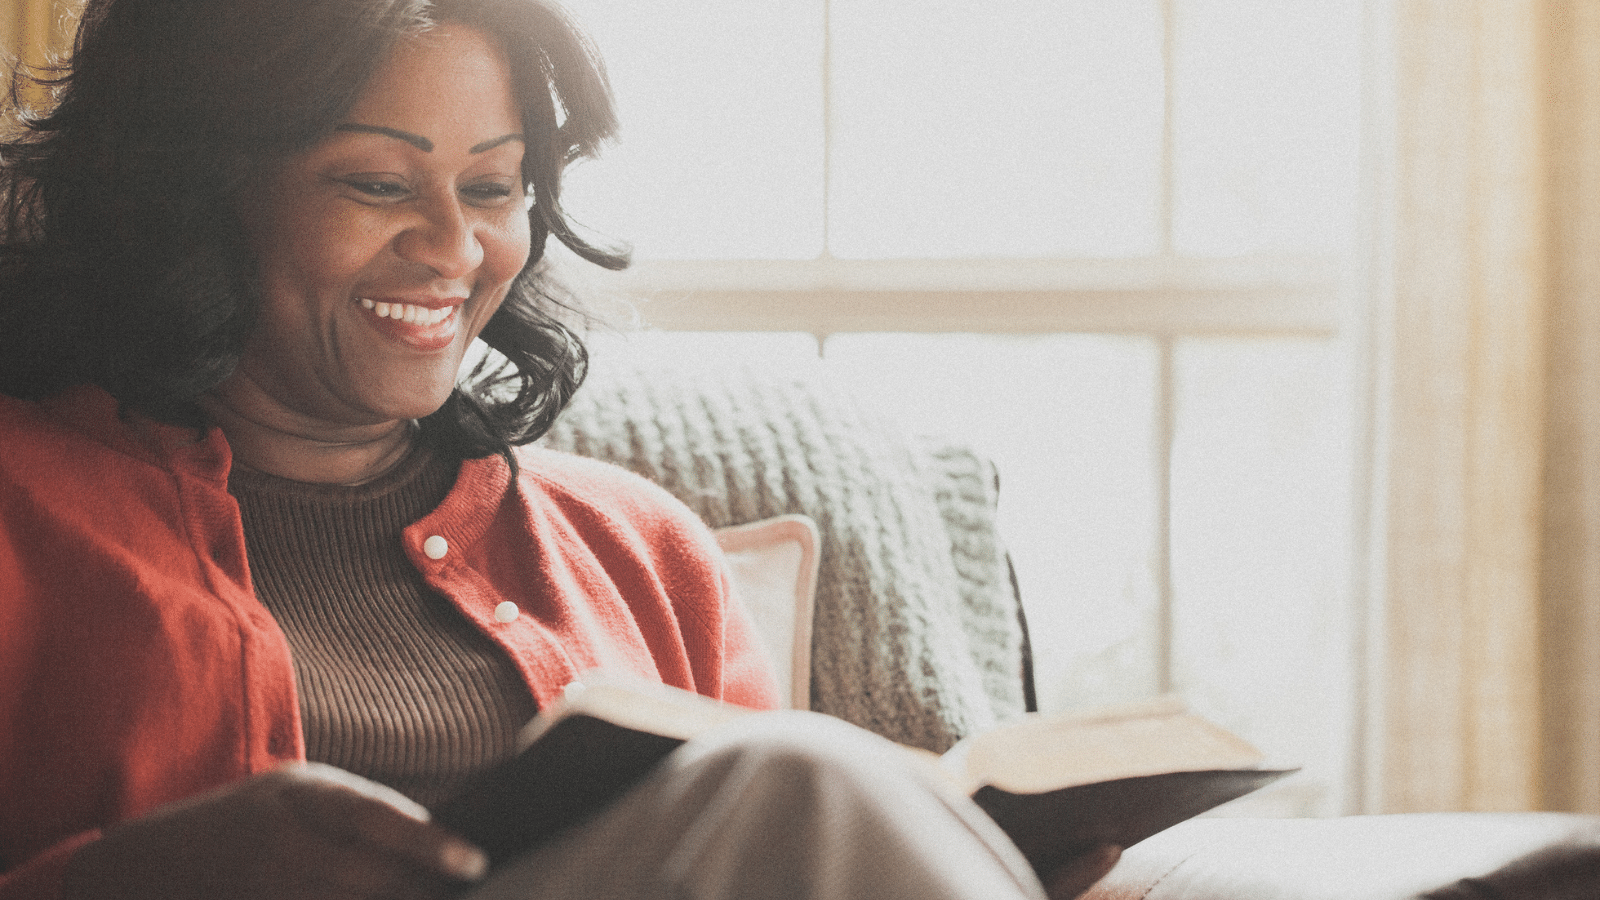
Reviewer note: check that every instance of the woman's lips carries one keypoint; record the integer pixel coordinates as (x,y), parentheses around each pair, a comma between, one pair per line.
(423,327)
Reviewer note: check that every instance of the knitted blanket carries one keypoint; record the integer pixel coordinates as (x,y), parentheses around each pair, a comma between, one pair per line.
(917,633)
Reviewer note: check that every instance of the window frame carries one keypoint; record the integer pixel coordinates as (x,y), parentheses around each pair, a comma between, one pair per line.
(1302,295)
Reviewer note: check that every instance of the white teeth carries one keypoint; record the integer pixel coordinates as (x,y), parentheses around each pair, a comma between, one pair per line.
(409,313)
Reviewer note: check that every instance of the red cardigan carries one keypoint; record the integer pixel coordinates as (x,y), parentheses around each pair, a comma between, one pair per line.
(138,668)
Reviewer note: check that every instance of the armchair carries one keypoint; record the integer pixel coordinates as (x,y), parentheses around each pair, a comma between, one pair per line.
(918,633)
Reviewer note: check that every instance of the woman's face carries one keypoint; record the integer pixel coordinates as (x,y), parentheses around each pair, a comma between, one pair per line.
(383,250)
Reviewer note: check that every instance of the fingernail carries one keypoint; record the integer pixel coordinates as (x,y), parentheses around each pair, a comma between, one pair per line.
(464,861)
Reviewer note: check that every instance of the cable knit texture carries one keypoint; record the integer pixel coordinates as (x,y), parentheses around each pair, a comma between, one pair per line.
(917,633)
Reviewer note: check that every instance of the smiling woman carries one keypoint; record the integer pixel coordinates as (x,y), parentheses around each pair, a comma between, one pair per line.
(242,259)
(382,252)
(143,183)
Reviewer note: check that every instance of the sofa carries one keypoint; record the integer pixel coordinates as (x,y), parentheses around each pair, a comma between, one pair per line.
(871,562)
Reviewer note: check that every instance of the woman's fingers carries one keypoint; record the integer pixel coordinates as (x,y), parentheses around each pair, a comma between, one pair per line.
(1082,872)
(302,831)
(374,816)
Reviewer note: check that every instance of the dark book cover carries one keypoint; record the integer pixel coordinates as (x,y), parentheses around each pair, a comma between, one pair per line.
(1052,827)
(585,754)
(578,767)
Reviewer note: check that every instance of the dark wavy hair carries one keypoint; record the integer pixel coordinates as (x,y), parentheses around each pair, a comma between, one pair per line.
(123,262)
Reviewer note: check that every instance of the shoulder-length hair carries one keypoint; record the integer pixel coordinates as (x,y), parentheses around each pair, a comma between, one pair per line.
(123,262)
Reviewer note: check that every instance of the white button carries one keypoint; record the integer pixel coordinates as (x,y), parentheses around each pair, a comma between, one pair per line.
(506,612)
(436,547)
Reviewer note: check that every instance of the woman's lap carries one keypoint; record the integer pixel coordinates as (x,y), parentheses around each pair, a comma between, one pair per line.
(778,805)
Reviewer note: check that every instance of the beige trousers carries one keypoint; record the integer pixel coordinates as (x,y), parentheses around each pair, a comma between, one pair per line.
(779,805)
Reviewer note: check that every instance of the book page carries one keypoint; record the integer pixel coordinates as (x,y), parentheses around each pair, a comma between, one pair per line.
(1043,753)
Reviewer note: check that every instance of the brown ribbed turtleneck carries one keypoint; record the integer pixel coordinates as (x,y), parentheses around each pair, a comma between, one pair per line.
(395,684)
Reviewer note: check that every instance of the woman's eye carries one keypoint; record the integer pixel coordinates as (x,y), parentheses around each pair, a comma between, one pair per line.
(490,192)
(378,190)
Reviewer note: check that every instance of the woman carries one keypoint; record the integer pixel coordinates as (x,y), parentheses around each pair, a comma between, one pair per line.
(249,519)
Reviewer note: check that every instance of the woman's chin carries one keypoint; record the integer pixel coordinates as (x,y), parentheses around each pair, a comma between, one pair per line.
(414,409)
(384,405)
(412,386)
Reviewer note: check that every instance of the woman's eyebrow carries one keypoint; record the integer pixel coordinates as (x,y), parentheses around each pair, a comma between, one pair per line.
(415,140)
(494,142)
(420,142)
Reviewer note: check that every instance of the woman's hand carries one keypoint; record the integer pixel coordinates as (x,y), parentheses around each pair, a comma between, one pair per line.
(1078,876)
(301,831)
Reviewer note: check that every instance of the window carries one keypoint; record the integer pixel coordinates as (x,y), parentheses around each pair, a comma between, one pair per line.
(1110,241)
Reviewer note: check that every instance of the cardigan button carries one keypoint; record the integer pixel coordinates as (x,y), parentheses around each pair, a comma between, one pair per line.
(435,547)
(506,612)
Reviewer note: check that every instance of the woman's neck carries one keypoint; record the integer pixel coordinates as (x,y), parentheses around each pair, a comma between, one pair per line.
(273,439)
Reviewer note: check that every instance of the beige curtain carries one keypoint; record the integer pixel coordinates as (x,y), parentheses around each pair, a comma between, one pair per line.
(1571,669)
(29,27)
(1488,633)
(31,30)
(1459,691)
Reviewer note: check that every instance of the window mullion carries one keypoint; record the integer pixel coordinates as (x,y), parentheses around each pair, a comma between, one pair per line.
(827,128)
(1169,38)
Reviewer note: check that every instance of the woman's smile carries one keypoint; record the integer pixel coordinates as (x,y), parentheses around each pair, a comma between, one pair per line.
(428,326)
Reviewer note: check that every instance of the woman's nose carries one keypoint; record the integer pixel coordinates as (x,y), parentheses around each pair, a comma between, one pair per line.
(442,239)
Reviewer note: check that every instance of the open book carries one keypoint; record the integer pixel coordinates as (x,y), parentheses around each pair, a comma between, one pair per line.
(1057,785)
